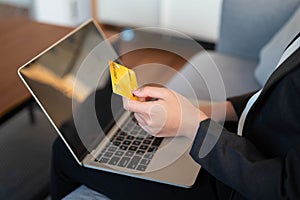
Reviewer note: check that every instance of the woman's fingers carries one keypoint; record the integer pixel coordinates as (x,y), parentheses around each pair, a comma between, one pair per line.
(154,92)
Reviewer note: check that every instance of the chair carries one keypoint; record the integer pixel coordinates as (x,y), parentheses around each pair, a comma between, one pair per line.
(246,26)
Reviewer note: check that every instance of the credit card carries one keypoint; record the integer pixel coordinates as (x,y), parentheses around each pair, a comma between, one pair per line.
(123,80)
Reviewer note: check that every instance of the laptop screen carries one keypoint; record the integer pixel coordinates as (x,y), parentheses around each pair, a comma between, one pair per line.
(71,82)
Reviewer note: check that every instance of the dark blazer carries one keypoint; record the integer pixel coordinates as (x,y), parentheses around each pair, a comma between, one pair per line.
(265,162)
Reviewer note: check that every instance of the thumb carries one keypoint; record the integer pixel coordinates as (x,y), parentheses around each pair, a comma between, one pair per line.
(154,92)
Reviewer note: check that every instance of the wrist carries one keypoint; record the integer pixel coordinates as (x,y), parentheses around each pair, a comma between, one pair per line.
(202,116)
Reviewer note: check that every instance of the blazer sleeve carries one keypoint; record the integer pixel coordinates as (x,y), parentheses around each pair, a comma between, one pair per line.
(240,102)
(235,161)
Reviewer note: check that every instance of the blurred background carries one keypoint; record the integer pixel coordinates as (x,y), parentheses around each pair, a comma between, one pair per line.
(246,38)
(26,136)
(189,17)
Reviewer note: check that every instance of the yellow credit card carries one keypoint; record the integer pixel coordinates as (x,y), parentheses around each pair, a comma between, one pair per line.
(123,80)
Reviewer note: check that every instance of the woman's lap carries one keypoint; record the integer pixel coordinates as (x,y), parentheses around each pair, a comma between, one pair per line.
(67,175)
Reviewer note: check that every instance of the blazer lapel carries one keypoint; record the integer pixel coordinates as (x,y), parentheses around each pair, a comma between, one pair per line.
(292,62)
(284,68)
(287,66)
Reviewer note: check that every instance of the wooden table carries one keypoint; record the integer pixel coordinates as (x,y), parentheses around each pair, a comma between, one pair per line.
(21,40)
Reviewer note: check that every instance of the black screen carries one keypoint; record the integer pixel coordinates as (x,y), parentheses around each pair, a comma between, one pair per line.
(71,82)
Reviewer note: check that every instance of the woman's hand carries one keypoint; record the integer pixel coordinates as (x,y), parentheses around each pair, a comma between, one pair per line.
(169,115)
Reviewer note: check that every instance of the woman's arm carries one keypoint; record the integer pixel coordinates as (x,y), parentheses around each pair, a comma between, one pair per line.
(219,108)
(237,162)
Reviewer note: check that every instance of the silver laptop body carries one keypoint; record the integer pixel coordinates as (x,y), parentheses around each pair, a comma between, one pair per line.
(70,81)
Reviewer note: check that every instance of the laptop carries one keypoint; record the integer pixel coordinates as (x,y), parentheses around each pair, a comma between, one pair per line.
(71,83)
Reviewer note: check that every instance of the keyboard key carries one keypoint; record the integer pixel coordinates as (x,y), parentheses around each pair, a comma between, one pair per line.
(150,137)
(116,143)
(129,153)
(147,141)
(133,163)
(114,160)
(145,161)
(133,132)
(119,153)
(108,154)
(113,149)
(119,131)
(143,147)
(141,168)
(140,152)
(137,128)
(127,142)
(99,156)
(123,147)
(136,142)
(152,149)
(148,156)
(143,133)
(127,128)
(120,138)
(139,138)
(104,150)
(104,160)
(122,133)
(156,142)
(123,162)
(113,137)
(132,148)
(129,137)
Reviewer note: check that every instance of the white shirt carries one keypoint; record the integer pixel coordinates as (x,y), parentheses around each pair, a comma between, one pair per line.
(287,53)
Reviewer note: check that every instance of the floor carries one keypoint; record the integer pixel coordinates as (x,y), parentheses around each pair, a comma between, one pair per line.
(25,148)
(25,151)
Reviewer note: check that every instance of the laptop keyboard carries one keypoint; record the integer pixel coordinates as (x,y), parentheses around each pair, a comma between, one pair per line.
(131,148)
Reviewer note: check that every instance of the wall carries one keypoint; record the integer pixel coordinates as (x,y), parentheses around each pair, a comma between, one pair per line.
(197,18)
(129,12)
(62,12)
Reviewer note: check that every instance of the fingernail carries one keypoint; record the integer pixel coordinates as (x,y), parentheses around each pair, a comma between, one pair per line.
(136,91)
